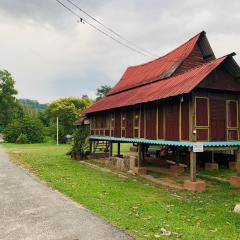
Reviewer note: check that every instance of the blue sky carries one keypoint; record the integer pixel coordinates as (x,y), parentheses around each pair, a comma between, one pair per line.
(51,55)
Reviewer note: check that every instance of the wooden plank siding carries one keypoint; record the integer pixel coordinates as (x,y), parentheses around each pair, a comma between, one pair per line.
(151,121)
(218,119)
(214,116)
(184,119)
(193,60)
(172,119)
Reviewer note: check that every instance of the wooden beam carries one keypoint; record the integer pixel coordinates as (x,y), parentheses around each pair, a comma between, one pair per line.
(110,148)
(140,160)
(212,156)
(118,148)
(90,146)
(193,166)
(219,148)
(237,159)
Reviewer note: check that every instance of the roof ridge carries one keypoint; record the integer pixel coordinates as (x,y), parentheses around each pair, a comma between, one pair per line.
(162,79)
(159,58)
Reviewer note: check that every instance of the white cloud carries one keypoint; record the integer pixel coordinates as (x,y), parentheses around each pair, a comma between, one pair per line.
(52,56)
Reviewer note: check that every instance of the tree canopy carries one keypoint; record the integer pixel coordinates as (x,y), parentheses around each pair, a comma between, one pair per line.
(102,91)
(67,110)
(8,103)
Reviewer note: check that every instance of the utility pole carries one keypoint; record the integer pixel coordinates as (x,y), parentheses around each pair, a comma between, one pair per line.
(57,130)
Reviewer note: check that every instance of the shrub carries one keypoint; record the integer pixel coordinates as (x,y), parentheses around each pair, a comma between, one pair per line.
(29,126)
(80,147)
(22,139)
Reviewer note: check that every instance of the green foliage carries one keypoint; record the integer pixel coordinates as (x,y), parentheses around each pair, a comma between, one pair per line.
(67,110)
(80,147)
(22,139)
(33,105)
(8,104)
(102,91)
(61,132)
(29,126)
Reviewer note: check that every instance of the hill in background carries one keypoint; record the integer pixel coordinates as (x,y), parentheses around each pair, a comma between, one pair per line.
(33,105)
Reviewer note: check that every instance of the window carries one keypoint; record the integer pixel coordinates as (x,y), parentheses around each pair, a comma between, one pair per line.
(232,119)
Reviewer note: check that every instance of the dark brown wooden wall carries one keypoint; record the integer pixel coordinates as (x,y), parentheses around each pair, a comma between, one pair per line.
(220,79)
(117,129)
(151,118)
(218,119)
(193,60)
(160,121)
(185,119)
(129,123)
(172,119)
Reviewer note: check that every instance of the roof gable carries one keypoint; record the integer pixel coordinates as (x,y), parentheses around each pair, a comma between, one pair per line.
(174,86)
(163,67)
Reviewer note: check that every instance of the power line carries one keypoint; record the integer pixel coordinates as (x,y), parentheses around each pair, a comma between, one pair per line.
(101,31)
(110,29)
(82,20)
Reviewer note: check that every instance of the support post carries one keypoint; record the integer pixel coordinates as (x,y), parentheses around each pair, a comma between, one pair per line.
(212,157)
(235,180)
(140,155)
(110,148)
(139,169)
(193,184)
(193,166)
(237,159)
(90,146)
(118,149)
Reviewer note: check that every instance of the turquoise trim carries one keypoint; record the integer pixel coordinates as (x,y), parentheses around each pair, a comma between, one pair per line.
(164,142)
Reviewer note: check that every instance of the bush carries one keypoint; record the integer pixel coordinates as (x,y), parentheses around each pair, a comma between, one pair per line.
(30,126)
(80,147)
(22,139)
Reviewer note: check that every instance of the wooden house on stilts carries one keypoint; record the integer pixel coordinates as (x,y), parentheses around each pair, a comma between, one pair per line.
(183,98)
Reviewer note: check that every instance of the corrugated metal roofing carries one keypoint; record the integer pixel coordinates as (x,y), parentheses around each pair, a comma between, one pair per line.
(160,68)
(177,85)
(164,142)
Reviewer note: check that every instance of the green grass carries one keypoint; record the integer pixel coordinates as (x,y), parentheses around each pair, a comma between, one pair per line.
(133,204)
(124,147)
(221,173)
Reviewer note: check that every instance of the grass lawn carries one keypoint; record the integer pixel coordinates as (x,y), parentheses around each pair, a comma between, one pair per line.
(124,147)
(133,204)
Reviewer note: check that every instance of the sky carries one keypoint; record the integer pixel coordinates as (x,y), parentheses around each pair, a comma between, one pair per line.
(51,55)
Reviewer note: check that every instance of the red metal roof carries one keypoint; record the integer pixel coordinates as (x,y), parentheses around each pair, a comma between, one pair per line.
(177,85)
(155,70)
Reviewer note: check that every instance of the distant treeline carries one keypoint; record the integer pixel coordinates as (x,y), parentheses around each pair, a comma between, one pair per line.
(33,104)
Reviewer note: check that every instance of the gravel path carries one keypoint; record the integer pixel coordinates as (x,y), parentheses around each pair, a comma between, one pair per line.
(30,210)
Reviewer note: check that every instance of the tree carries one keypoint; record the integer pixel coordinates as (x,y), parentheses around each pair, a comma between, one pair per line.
(102,91)
(28,129)
(8,103)
(67,110)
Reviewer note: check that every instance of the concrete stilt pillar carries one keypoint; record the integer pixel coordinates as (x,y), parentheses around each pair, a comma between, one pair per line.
(139,169)
(177,169)
(235,180)
(193,184)
(212,165)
